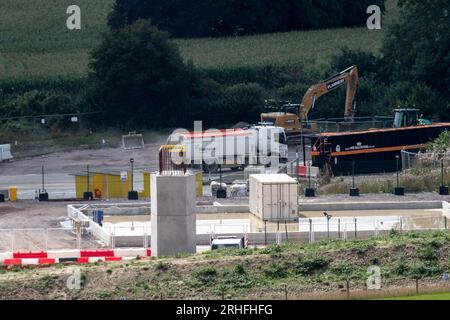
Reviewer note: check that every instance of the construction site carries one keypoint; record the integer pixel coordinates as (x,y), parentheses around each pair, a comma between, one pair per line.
(73,206)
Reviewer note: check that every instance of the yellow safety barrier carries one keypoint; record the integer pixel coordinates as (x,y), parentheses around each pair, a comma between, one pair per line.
(12,194)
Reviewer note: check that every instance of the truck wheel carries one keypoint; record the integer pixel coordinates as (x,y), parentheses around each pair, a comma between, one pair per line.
(265,160)
(210,167)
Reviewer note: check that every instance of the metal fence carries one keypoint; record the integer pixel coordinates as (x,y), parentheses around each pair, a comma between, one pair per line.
(340,124)
(343,290)
(411,160)
(44,239)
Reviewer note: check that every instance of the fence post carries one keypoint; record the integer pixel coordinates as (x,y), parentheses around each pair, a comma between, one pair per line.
(356,227)
(401,224)
(12,240)
(46,239)
(417,285)
(265,232)
(285,292)
(339,229)
(79,240)
(348,289)
(285,230)
(445,222)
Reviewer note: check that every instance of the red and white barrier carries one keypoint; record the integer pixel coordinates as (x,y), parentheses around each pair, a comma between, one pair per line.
(71,256)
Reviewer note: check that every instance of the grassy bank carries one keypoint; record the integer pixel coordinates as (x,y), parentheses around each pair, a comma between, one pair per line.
(297,270)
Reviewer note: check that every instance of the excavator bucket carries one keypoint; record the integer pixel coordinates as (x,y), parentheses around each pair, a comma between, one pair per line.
(132,141)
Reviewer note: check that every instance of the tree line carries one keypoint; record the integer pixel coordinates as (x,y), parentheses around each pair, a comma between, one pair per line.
(218,18)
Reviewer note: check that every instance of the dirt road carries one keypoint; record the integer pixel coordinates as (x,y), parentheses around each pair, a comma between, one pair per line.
(77,160)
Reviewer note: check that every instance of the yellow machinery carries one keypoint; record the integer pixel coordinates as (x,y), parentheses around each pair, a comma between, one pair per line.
(292,122)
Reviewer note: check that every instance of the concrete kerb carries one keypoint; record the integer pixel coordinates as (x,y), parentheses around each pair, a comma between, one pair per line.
(143,208)
(367,205)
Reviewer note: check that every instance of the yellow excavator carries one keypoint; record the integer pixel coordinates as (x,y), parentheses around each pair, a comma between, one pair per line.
(292,123)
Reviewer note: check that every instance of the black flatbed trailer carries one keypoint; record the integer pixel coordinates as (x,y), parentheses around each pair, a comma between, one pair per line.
(372,151)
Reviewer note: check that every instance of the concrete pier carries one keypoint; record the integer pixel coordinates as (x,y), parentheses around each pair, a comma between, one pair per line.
(173,214)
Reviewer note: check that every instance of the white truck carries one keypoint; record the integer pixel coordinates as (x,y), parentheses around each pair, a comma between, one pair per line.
(229,242)
(233,148)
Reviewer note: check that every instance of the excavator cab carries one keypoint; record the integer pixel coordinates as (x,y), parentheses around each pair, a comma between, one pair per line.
(409,118)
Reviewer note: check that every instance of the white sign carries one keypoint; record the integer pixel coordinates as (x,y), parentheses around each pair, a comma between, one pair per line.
(74,119)
(123,175)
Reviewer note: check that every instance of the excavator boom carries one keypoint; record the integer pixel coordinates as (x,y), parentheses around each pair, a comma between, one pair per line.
(349,76)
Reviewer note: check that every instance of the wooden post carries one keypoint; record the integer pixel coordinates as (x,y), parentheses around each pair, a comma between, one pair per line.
(348,289)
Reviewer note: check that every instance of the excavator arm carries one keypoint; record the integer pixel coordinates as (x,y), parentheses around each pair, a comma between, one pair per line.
(349,76)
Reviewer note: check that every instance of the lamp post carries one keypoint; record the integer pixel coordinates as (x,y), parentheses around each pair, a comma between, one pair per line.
(87,195)
(328,216)
(443,189)
(354,192)
(43,194)
(399,191)
(309,192)
(221,192)
(132,195)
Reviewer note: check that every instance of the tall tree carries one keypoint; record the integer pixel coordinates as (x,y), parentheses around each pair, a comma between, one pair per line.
(417,47)
(140,78)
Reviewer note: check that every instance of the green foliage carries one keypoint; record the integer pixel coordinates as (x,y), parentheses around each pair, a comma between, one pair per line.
(367,62)
(311,264)
(240,269)
(162,266)
(139,78)
(441,144)
(343,269)
(206,18)
(401,267)
(393,233)
(271,249)
(416,50)
(428,252)
(238,278)
(424,269)
(275,270)
(206,275)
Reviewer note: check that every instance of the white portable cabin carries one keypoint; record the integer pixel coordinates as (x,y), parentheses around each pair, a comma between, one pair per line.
(5,152)
(273,197)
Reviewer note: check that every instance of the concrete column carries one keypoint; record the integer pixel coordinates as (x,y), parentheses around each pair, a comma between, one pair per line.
(173,214)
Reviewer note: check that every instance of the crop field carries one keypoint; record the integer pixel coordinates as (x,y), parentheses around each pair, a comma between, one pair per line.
(307,47)
(35,43)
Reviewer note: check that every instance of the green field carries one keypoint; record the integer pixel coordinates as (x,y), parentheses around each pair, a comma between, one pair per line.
(433,296)
(35,43)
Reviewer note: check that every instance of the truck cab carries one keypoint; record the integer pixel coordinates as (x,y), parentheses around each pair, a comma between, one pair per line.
(409,118)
